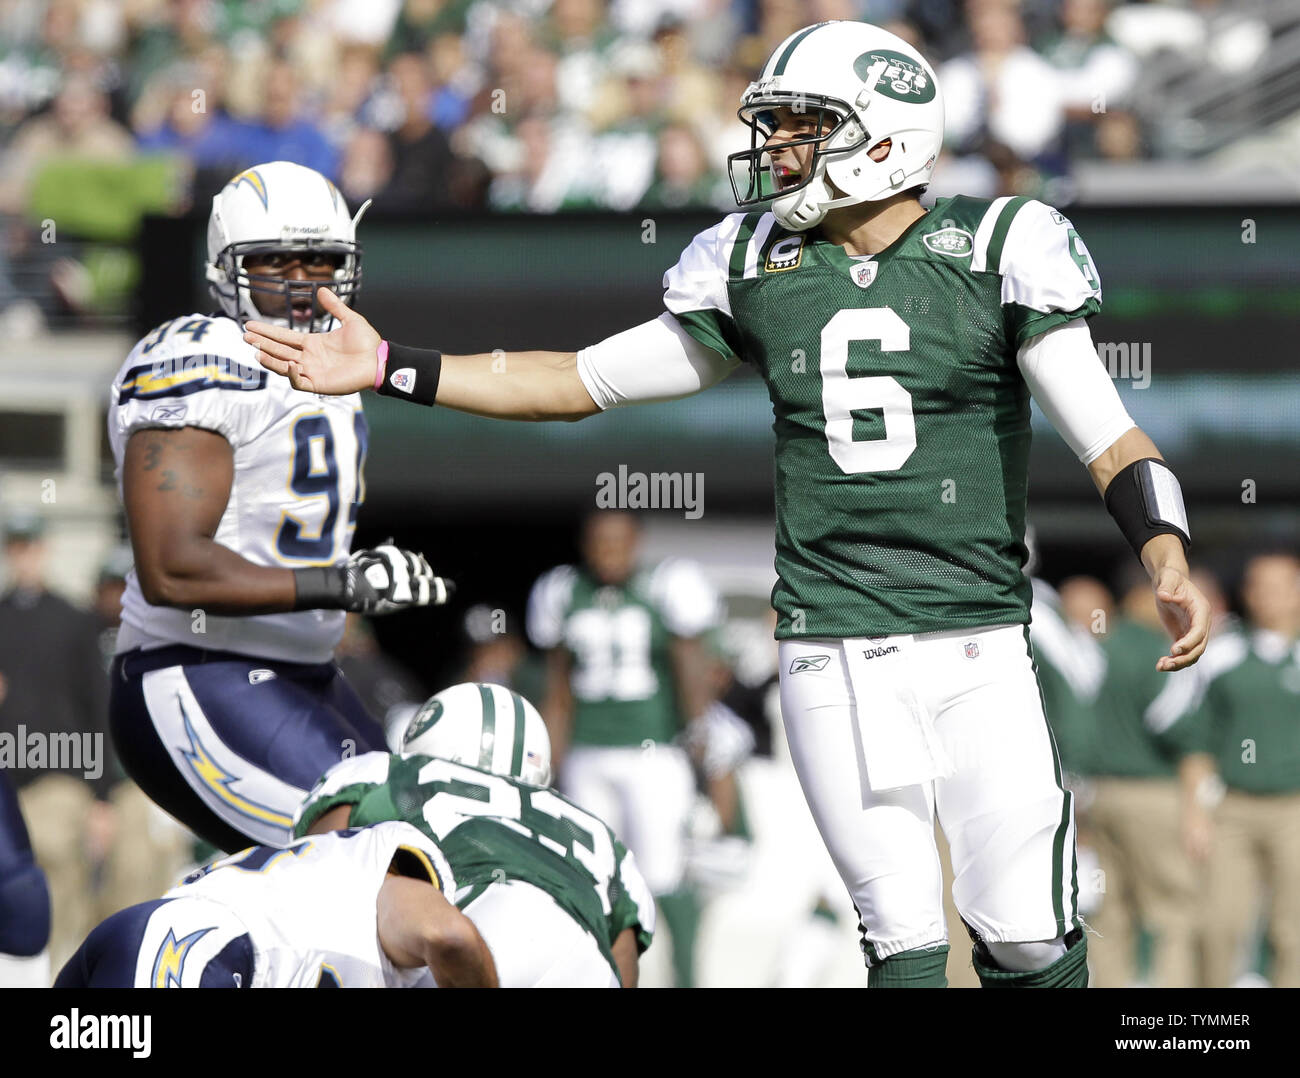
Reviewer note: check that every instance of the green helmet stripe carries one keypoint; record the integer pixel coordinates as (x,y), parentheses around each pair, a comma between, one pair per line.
(517,755)
(789,49)
(489,736)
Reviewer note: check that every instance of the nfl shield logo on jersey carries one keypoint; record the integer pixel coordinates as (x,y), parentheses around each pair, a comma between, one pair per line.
(973,650)
(864,273)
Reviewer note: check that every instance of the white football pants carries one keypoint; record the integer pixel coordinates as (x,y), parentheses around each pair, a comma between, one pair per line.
(645,795)
(886,731)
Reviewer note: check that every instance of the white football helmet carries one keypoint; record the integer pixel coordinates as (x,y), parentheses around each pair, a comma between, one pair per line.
(281,207)
(870,86)
(485,726)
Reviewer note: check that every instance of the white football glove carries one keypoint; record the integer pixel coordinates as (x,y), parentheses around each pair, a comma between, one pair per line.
(379,581)
(387,579)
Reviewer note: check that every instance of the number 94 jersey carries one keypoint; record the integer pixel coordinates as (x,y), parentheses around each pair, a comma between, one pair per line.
(901,417)
(297,480)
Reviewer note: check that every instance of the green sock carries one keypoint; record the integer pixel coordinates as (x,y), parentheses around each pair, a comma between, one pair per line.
(1068,971)
(921,967)
(681,912)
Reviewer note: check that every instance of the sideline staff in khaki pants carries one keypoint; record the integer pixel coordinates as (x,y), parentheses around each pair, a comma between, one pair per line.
(1149,882)
(1249,725)
(1135,819)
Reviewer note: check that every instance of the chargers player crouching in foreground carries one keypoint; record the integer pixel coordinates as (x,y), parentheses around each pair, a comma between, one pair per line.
(356,909)
(241,496)
(902,441)
(556,896)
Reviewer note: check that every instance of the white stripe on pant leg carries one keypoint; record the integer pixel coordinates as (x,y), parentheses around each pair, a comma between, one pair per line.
(252,801)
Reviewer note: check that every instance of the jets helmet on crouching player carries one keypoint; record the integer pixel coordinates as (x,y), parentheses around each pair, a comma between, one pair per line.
(281,209)
(865,85)
(484,726)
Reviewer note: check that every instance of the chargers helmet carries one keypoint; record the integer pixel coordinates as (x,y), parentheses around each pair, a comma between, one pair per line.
(281,207)
(485,726)
(870,86)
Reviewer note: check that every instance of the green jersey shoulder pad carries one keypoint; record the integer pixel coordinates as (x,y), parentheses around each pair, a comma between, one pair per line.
(343,784)
(1048,276)
(695,289)
(683,595)
(548,606)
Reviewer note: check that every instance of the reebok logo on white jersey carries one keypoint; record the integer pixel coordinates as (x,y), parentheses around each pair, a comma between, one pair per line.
(809,662)
(256,677)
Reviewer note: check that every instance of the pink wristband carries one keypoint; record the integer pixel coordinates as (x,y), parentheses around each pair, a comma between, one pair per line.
(382,365)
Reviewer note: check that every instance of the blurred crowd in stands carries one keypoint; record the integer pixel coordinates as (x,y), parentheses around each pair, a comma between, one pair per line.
(113,108)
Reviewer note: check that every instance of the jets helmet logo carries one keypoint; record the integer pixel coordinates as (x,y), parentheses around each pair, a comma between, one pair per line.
(901,78)
(425,718)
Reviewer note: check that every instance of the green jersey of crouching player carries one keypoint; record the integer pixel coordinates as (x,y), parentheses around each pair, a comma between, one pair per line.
(494,827)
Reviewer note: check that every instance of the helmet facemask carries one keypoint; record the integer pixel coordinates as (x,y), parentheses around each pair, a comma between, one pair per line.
(276,295)
(803,203)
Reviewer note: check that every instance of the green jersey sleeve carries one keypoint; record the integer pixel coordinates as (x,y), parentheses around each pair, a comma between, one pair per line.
(695,289)
(1048,276)
(630,903)
(346,783)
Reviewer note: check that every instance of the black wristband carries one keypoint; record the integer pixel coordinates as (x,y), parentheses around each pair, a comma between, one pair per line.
(411,373)
(1146,501)
(322,587)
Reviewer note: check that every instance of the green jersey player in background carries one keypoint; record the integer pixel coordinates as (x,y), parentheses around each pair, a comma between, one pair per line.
(900,348)
(626,672)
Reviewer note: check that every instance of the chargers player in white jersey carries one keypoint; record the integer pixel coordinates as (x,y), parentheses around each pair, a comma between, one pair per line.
(900,346)
(241,496)
(361,908)
(557,897)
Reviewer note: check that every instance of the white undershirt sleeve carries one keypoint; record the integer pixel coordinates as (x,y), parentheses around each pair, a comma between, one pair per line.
(655,361)
(1073,389)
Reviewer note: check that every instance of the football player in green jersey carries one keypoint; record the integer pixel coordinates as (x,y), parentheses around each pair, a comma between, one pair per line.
(557,898)
(626,672)
(900,348)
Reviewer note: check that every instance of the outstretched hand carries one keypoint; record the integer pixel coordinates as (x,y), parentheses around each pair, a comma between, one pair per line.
(336,363)
(1185,614)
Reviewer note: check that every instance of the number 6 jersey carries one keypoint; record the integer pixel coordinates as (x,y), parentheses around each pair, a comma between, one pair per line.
(901,417)
(295,492)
